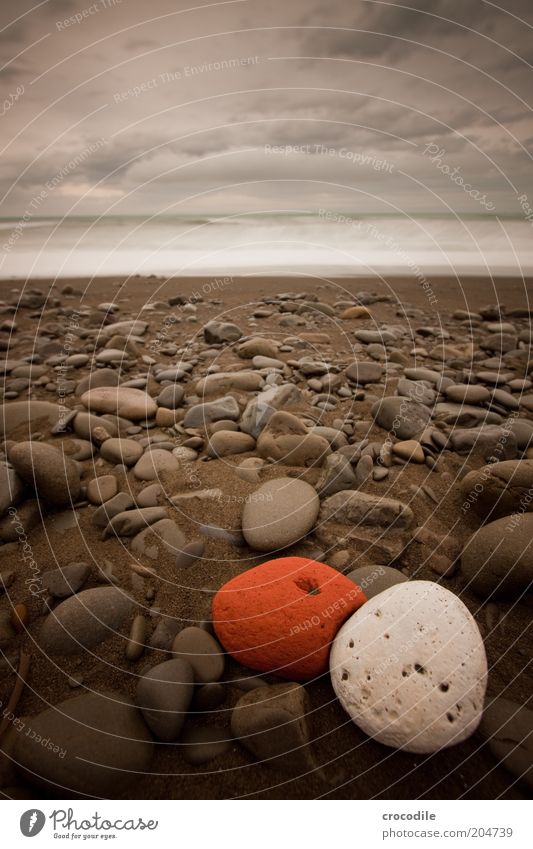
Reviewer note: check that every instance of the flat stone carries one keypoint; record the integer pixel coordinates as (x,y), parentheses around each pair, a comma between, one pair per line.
(190,553)
(201,415)
(216,332)
(403,417)
(285,439)
(409,450)
(409,667)
(163,536)
(170,397)
(508,727)
(238,381)
(66,581)
(279,513)
(497,560)
(271,722)
(499,489)
(467,394)
(11,487)
(202,652)
(131,522)
(121,451)
(133,404)
(375,579)
(489,442)
(163,697)
(155,463)
(118,504)
(29,416)
(359,508)
(99,747)
(362,373)
(54,476)
(101,489)
(84,620)
(257,347)
(224,443)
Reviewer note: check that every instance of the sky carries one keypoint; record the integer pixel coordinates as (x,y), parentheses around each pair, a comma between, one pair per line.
(178,107)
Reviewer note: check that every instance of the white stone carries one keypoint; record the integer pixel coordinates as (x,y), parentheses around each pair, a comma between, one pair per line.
(410,669)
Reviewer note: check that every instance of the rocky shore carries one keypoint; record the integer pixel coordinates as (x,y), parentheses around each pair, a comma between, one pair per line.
(268,539)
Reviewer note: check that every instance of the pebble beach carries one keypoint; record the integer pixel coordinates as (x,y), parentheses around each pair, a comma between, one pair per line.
(266,538)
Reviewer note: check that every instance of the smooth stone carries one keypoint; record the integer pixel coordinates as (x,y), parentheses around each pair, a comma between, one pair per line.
(467,394)
(417,391)
(121,451)
(131,404)
(465,415)
(84,620)
(109,509)
(409,450)
(497,560)
(189,554)
(131,522)
(410,668)
(224,443)
(100,747)
(499,489)
(85,426)
(174,374)
(54,476)
(238,381)
(201,415)
(170,397)
(96,379)
(155,463)
(285,439)
(209,697)
(405,418)
(260,362)
(508,727)
(281,616)
(271,722)
(150,495)
(162,537)
(66,581)
(101,489)
(362,373)
(356,312)
(216,332)
(279,513)
(202,745)
(257,347)
(375,579)
(360,508)
(129,327)
(30,415)
(202,652)
(522,430)
(163,696)
(489,441)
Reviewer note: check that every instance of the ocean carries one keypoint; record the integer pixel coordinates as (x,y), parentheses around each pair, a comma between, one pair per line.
(327,243)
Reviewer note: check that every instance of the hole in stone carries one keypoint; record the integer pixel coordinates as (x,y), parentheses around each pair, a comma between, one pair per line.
(344,676)
(377,613)
(404,673)
(308,586)
(444,688)
(420,669)
(449,717)
(387,636)
(368,677)
(351,644)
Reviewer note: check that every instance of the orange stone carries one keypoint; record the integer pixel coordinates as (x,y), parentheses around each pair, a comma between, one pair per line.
(282,616)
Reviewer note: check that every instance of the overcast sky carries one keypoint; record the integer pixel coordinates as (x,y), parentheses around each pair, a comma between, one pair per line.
(171,106)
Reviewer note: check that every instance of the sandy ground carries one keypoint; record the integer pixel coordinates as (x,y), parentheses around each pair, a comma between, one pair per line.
(354,766)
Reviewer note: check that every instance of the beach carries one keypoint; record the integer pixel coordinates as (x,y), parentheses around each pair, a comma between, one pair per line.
(445,325)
